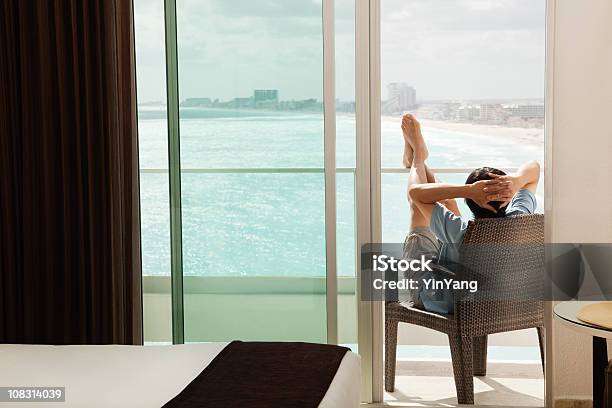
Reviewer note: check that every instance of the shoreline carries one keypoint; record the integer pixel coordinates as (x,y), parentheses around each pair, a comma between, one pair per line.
(532,136)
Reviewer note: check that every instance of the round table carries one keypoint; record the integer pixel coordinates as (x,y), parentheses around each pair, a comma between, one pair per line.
(565,312)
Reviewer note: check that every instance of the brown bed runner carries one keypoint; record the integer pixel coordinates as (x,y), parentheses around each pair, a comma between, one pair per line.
(262,374)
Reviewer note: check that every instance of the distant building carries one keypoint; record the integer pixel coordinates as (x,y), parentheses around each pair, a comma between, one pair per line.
(527,111)
(190,102)
(239,103)
(401,97)
(311,105)
(264,99)
(450,110)
(438,110)
(468,113)
(265,95)
(492,113)
(433,111)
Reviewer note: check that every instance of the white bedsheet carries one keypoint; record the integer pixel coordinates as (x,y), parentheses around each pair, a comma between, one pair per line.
(134,376)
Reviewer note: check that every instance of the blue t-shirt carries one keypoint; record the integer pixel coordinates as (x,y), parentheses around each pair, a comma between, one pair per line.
(450,230)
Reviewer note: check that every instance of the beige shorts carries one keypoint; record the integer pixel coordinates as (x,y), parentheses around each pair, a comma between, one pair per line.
(419,242)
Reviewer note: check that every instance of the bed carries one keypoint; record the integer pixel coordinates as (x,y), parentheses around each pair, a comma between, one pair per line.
(136,376)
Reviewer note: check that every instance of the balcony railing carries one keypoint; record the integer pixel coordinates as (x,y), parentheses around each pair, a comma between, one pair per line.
(298,170)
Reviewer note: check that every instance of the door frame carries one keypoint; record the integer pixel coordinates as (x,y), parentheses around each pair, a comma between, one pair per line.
(368,192)
(549,101)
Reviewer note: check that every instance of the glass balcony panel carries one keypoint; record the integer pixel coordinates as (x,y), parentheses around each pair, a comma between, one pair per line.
(346,246)
(254,256)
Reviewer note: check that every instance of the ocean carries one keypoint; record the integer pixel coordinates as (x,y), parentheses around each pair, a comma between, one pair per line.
(271,223)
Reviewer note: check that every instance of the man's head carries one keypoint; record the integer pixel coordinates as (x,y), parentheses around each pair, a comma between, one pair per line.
(479,212)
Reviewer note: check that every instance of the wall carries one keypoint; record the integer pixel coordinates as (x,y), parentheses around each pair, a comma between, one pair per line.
(581,165)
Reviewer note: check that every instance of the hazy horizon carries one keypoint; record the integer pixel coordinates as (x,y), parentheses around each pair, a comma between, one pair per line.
(426,101)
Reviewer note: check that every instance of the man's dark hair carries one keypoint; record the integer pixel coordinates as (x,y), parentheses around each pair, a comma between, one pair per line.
(479,212)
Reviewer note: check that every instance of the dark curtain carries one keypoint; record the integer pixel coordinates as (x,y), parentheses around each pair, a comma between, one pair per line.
(69,197)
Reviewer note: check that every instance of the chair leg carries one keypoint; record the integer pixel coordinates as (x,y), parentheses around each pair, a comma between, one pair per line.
(480,355)
(390,353)
(542,343)
(461,353)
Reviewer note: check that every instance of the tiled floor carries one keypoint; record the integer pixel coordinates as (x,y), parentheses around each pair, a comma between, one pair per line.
(431,384)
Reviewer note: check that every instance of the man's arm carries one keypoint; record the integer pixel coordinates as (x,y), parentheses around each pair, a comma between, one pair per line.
(425,196)
(500,188)
(526,177)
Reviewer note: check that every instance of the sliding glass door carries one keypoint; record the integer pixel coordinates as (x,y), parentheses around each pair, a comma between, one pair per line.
(252,180)
(248,170)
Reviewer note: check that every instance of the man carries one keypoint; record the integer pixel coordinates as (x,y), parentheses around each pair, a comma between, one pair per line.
(437,228)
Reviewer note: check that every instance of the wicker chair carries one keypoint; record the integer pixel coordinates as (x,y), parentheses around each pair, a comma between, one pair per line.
(477,315)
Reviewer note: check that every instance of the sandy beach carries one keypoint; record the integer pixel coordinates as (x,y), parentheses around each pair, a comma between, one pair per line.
(524,135)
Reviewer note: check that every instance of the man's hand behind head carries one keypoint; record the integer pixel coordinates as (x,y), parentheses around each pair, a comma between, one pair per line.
(501,188)
(479,193)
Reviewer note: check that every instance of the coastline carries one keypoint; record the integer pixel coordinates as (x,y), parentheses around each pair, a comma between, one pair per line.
(533,136)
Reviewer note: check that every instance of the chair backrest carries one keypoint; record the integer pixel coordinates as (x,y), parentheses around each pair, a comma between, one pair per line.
(506,257)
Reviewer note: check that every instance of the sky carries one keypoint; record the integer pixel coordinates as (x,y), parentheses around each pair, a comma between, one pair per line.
(446,49)
(464,49)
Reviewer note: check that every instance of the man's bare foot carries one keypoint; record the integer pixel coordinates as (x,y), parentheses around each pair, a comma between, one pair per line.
(408,152)
(412,133)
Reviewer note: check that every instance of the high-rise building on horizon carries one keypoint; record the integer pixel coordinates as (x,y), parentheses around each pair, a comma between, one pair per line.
(265,95)
(401,97)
